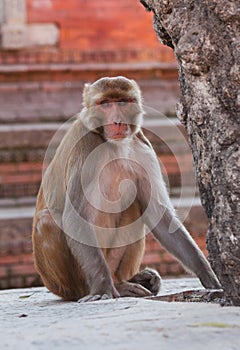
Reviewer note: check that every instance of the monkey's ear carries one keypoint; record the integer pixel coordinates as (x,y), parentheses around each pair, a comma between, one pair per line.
(86,93)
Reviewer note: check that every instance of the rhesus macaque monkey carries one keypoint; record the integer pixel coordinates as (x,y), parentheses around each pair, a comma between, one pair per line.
(102,186)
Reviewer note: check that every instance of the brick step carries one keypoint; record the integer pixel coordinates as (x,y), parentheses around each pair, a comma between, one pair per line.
(20,179)
(23,179)
(53,101)
(27,136)
(86,71)
(16,263)
(23,148)
(85,56)
(35,136)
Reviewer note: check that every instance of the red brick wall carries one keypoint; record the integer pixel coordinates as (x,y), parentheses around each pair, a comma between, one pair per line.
(94,26)
(89,25)
(90,31)
(16,261)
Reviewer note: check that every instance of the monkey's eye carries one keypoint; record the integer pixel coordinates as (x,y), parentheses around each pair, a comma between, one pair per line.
(122,103)
(105,103)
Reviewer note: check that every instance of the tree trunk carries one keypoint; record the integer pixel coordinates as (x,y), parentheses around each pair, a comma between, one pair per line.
(204,35)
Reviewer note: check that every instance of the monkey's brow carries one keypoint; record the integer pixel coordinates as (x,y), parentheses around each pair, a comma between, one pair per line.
(116,99)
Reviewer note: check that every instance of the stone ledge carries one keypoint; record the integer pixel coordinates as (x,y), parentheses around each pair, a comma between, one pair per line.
(10,68)
(39,320)
(17,213)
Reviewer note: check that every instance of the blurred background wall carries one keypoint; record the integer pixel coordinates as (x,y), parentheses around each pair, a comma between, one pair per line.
(48,50)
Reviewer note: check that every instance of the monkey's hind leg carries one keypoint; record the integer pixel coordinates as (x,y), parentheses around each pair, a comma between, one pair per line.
(53,259)
(149,279)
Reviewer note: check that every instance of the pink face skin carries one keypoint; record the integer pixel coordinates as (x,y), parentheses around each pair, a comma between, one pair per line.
(115,114)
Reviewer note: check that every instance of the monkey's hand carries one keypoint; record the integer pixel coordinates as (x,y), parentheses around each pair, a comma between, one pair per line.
(93,296)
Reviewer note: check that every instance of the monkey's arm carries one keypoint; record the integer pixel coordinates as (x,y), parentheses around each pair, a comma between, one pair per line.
(83,244)
(160,217)
(175,238)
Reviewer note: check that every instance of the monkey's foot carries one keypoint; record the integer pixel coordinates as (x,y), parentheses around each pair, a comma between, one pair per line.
(149,279)
(95,297)
(128,289)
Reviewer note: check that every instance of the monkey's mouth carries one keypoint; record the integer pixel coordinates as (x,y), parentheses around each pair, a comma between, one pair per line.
(116,131)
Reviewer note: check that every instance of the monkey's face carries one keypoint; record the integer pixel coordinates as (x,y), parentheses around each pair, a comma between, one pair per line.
(114,107)
(120,117)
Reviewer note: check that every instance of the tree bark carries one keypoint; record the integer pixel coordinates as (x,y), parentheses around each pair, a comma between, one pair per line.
(204,35)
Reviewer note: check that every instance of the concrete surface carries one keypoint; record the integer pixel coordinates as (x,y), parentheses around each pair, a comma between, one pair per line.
(36,319)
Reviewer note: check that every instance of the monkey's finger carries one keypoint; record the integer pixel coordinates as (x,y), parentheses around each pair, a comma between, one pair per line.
(141,291)
(135,290)
(106,296)
(95,297)
(89,298)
